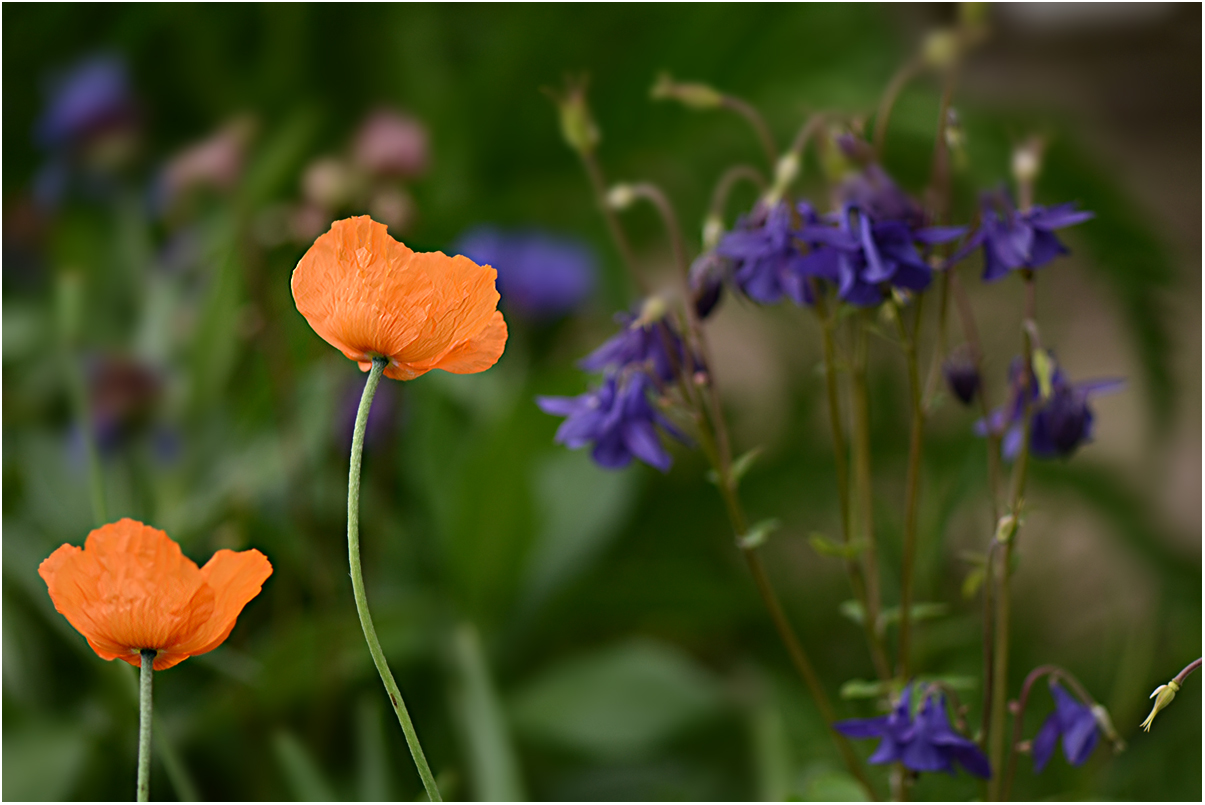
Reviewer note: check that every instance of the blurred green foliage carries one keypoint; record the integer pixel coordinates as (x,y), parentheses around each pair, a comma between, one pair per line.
(560,632)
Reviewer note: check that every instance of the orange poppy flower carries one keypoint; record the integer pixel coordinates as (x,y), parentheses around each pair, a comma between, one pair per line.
(131,588)
(370,296)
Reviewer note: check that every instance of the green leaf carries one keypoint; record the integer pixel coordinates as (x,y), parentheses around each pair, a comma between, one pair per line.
(301,772)
(493,765)
(864,689)
(921,611)
(739,467)
(853,610)
(757,535)
(621,702)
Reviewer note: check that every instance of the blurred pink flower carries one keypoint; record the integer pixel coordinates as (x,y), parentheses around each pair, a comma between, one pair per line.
(391,143)
(215,163)
(328,183)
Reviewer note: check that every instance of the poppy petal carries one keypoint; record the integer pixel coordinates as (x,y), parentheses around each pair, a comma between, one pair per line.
(235,579)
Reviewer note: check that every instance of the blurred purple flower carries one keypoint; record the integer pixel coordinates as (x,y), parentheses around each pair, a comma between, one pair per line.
(617,418)
(926,743)
(391,143)
(380,417)
(767,261)
(1071,720)
(866,255)
(91,97)
(873,191)
(654,346)
(540,276)
(1013,240)
(1061,422)
(122,395)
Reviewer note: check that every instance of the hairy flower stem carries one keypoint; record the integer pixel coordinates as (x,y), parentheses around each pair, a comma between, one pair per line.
(1004,565)
(1055,672)
(144,724)
(599,185)
(757,122)
(357,581)
(728,180)
(887,102)
(912,493)
(859,400)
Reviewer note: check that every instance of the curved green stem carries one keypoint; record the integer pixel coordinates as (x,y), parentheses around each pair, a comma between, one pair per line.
(357,581)
(908,341)
(144,724)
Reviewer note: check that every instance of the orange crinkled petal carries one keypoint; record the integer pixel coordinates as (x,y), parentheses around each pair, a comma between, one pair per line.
(132,588)
(368,295)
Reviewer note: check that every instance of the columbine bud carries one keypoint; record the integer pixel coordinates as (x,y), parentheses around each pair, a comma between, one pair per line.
(694,95)
(577,124)
(1006,528)
(784,173)
(941,49)
(653,310)
(1027,161)
(1163,696)
(1106,726)
(962,375)
(713,230)
(620,197)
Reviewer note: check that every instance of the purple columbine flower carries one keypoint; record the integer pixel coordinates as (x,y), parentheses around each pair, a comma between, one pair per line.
(540,276)
(1013,240)
(1061,423)
(867,256)
(654,346)
(90,98)
(767,261)
(926,743)
(617,418)
(872,190)
(1071,720)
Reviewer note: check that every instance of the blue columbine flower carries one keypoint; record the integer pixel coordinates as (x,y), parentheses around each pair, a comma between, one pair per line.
(1061,422)
(540,276)
(707,275)
(926,743)
(1074,722)
(617,418)
(1013,239)
(648,341)
(767,261)
(867,256)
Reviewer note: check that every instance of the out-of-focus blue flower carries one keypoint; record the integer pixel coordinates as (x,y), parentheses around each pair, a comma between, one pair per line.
(767,261)
(926,743)
(122,395)
(872,190)
(617,418)
(90,98)
(1074,722)
(868,256)
(1014,240)
(540,276)
(1061,422)
(649,342)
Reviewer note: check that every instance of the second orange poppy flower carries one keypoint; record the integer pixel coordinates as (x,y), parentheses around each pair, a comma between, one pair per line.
(371,296)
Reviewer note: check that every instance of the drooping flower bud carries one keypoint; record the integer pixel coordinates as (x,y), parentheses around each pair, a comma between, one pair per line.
(691,94)
(1163,696)
(962,374)
(577,124)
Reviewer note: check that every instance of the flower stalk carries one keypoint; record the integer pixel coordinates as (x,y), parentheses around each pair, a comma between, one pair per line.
(357,582)
(912,490)
(144,724)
